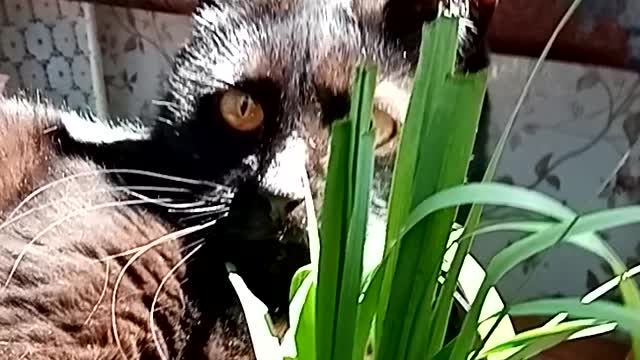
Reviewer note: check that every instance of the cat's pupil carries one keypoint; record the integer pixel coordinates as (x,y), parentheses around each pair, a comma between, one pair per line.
(244,106)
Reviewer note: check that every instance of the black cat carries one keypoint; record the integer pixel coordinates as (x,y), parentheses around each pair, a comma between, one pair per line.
(251,96)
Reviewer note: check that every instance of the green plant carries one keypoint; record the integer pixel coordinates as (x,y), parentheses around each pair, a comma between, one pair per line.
(402,307)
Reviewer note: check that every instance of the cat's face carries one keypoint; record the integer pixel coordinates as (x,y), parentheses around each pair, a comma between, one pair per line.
(259,83)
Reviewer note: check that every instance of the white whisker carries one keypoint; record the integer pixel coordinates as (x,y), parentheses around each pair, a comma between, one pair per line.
(117,171)
(163,120)
(63,219)
(135,250)
(208,209)
(157,294)
(196,216)
(164,103)
(168,205)
(96,191)
(102,294)
(142,251)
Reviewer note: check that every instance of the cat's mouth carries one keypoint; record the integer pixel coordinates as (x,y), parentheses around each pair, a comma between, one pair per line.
(266,250)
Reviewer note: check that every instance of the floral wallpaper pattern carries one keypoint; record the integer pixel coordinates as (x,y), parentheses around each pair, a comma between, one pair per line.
(43,46)
(569,141)
(128,40)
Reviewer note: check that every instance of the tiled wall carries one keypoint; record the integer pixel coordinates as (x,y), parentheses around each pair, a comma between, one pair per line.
(572,130)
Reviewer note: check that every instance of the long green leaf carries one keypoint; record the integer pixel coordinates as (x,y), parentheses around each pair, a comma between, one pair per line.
(471,277)
(298,279)
(538,346)
(299,340)
(578,231)
(469,91)
(438,165)
(265,345)
(343,230)
(402,187)
(610,285)
(507,195)
(332,236)
(627,318)
(366,312)
(495,194)
(305,333)
(362,165)
(521,340)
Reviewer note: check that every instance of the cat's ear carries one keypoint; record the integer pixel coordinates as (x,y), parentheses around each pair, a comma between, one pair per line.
(403,19)
(400,19)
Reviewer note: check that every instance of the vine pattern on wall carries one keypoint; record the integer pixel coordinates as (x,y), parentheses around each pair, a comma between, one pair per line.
(129,39)
(611,121)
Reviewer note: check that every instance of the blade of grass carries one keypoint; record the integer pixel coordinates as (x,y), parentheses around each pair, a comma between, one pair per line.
(536,347)
(578,232)
(521,340)
(469,92)
(520,198)
(352,274)
(298,279)
(413,281)
(627,318)
(265,345)
(610,285)
(471,277)
(401,186)
(305,332)
(343,228)
(332,236)
(475,212)
(495,194)
(362,165)
(366,312)
(299,340)
(525,199)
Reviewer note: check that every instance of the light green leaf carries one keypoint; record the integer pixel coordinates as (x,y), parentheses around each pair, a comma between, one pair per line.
(626,318)
(265,345)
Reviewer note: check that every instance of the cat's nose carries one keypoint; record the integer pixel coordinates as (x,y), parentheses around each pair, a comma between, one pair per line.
(282,185)
(281,205)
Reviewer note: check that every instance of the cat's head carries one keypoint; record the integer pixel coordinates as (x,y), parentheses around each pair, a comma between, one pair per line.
(253,93)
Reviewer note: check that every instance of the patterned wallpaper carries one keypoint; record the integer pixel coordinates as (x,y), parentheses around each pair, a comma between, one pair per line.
(571,134)
(129,39)
(43,46)
(568,140)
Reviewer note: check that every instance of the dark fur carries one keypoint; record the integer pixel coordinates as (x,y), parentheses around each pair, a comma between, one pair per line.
(295,57)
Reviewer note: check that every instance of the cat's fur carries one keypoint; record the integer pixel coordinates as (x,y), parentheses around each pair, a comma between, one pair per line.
(295,57)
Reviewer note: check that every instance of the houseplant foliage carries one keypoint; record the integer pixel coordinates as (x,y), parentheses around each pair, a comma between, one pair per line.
(401,308)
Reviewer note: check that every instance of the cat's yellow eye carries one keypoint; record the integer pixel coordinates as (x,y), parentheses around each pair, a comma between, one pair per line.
(240,111)
(386,128)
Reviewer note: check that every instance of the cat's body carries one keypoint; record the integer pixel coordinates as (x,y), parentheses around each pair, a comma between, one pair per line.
(251,97)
